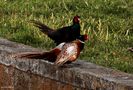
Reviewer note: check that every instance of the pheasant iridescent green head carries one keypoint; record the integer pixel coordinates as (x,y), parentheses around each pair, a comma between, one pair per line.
(76,19)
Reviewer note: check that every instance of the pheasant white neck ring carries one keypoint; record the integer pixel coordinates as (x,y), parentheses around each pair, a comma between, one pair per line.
(81,41)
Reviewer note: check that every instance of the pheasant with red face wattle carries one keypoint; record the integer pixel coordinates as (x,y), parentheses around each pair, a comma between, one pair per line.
(64,34)
(71,51)
(61,54)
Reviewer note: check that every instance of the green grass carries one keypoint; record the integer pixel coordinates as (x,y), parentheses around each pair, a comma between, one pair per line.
(109,24)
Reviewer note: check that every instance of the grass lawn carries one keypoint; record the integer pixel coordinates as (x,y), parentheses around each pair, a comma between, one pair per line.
(109,24)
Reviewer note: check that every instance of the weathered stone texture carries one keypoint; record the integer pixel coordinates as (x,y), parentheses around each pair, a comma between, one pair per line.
(35,74)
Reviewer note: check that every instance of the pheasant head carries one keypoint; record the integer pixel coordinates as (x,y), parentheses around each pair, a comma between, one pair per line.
(76,19)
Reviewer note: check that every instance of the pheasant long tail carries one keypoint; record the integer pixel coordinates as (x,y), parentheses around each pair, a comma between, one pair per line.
(49,56)
(32,55)
(43,28)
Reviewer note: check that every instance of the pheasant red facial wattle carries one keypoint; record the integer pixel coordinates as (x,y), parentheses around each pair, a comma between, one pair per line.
(76,19)
(86,37)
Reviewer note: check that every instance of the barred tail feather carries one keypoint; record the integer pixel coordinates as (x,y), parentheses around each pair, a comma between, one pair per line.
(49,56)
(32,55)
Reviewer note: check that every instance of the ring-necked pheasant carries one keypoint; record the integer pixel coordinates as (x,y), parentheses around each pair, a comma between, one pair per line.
(64,34)
(61,54)
(71,51)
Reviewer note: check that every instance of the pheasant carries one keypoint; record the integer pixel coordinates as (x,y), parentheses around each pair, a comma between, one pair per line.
(71,51)
(64,34)
(61,54)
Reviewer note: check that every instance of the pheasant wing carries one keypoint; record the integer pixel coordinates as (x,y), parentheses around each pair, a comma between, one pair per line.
(68,53)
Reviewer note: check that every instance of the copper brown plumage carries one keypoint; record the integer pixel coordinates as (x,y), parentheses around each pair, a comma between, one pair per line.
(64,34)
(71,51)
(47,55)
(61,54)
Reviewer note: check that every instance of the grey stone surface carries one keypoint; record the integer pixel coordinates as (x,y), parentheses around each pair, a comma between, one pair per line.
(78,74)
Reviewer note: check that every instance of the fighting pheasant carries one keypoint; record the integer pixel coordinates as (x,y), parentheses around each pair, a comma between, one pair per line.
(64,34)
(61,54)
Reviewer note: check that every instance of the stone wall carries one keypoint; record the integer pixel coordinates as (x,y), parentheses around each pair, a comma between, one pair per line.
(37,74)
